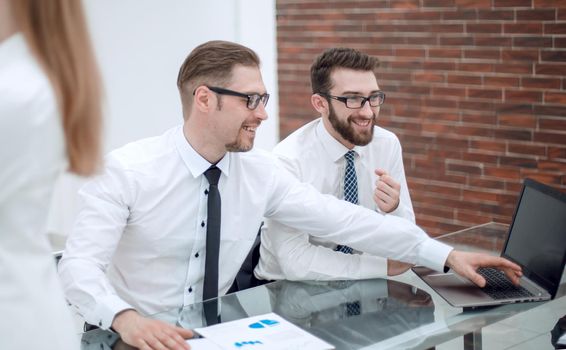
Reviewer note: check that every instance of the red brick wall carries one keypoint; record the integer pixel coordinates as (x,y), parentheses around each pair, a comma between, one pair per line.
(476,91)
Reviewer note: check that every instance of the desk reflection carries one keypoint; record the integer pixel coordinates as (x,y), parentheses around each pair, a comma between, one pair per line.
(347,314)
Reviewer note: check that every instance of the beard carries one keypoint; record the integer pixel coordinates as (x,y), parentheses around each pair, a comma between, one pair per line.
(239,146)
(347,131)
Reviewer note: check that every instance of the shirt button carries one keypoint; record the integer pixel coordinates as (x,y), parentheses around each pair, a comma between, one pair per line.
(190,289)
(202,224)
(196,255)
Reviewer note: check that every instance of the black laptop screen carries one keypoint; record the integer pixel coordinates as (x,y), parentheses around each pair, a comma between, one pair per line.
(537,239)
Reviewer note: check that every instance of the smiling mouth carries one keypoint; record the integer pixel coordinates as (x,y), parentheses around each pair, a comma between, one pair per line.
(362,122)
(250,128)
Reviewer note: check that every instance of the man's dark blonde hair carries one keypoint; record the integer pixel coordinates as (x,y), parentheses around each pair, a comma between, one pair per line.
(212,63)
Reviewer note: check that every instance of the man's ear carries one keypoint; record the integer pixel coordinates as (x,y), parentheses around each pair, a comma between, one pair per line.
(204,99)
(320,104)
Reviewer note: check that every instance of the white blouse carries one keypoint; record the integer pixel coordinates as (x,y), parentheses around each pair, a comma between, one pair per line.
(34,312)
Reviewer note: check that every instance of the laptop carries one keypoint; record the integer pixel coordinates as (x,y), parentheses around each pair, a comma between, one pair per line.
(536,241)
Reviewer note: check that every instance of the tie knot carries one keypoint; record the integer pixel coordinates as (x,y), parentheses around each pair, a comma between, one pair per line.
(350,155)
(212,175)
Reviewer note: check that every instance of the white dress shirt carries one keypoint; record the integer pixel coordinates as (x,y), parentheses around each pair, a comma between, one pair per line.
(34,312)
(139,239)
(316,157)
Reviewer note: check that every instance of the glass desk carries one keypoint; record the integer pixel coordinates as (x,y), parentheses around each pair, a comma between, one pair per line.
(397,313)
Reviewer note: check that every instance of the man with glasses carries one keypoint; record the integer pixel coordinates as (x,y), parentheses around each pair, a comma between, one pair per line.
(172,217)
(348,98)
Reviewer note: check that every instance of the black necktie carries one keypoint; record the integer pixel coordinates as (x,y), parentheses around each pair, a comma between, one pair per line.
(210,289)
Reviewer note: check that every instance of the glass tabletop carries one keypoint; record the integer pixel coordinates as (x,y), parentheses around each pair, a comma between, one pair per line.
(400,312)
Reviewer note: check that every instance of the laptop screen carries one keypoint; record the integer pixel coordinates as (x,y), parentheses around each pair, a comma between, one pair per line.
(537,239)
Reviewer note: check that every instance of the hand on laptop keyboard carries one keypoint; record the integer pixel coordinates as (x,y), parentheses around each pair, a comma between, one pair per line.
(466,265)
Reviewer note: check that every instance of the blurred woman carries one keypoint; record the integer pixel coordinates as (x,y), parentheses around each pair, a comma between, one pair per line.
(50,120)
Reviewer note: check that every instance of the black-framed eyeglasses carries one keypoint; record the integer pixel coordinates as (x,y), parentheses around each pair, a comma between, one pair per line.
(376,99)
(253,99)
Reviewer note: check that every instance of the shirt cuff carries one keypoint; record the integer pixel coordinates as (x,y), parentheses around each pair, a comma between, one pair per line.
(372,266)
(433,254)
(105,311)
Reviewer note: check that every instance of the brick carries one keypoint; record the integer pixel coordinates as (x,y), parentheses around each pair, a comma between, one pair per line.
(444,53)
(438,3)
(523,28)
(550,69)
(561,15)
(405,4)
(457,41)
(516,68)
(476,195)
(536,15)
(550,138)
(475,67)
(515,108)
(429,77)
(475,181)
(491,28)
(483,54)
(475,4)
(520,55)
(421,40)
(550,166)
(526,149)
(484,145)
(522,96)
(550,110)
(512,3)
(479,118)
(532,41)
(559,43)
(517,120)
(519,135)
(496,15)
(435,65)
(464,79)
(555,152)
(501,81)
(464,169)
(555,97)
(544,178)
(482,158)
(553,55)
(502,173)
(518,162)
(497,41)
(439,103)
(396,76)
(410,52)
(485,93)
(552,124)
(549,3)
(484,106)
(459,15)
(442,91)
(543,83)
(555,28)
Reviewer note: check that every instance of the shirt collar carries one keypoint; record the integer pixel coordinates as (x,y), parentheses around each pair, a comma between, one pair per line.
(331,146)
(196,164)
(13,46)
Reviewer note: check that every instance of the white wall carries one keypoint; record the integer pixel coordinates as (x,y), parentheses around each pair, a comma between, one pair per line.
(140,45)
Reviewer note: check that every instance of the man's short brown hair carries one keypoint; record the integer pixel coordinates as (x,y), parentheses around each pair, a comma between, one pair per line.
(212,63)
(334,58)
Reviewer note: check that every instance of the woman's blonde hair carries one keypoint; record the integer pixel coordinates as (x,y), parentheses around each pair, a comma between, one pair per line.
(57,34)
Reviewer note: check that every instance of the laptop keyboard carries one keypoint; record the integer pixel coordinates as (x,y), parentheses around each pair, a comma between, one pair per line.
(499,287)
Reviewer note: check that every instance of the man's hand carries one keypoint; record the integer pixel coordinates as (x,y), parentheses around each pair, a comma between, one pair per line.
(386,193)
(395,267)
(465,264)
(148,334)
